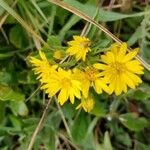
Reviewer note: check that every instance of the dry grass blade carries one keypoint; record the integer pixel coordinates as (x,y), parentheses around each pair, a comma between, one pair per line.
(21,21)
(39,126)
(92,21)
(6,15)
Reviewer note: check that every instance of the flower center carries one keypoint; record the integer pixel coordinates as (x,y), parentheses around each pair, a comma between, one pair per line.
(65,82)
(118,67)
(91,74)
(85,44)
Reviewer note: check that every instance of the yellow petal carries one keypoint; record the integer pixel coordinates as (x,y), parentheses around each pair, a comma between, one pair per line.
(77,84)
(122,52)
(63,96)
(112,84)
(53,89)
(129,81)
(101,85)
(123,49)
(110,57)
(85,88)
(71,93)
(97,86)
(134,77)
(100,66)
(123,84)
(77,93)
(42,55)
(105,60)
(118,88)
(79,106)
(135,67)
(131,55)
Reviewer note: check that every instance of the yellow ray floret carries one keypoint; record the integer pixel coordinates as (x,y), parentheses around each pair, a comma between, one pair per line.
(90,77)
(87,104)
(79,47)
(64,84)
(42,67)
(58,54)
(120,68)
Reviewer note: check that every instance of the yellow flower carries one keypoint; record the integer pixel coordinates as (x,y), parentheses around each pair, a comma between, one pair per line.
(64,83)
(120,68)
(79,47)
(91,78)
(42,67)
(58,54)
(87,104)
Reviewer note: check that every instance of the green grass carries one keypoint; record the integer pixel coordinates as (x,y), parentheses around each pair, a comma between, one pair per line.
(27,26)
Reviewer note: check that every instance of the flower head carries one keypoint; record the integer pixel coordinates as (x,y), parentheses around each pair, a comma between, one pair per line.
(42,67)
(90,77)
(87,104)
(63,83)
(58,54)
(120,68)
(79,47)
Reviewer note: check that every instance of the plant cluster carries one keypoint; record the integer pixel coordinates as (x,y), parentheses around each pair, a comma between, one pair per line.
(115,71)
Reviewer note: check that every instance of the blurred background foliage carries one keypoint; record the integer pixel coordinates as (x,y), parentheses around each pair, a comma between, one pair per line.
(119,123)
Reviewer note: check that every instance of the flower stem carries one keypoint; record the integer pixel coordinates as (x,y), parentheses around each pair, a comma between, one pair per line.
(39,126)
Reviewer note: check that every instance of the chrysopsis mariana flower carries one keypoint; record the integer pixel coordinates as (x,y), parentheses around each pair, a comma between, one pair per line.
(42,67)
(86,103)
(64,84)
(120,68)
(90,77)
(79,47)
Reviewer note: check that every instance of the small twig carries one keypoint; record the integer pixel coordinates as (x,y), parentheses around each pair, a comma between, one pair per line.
(62,136)
(111,4)
(88,25)
(112,7)
(36,90)
(63,118)
(39,126)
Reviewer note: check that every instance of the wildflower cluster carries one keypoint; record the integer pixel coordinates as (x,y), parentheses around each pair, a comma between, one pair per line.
(116,70)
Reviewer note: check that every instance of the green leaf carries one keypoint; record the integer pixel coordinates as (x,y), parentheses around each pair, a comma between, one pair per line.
(145,52)
(99,109)
(135,36)
(124,138)
(104,15)
(79,128)
(141,95)
(72,21)
(26,77)
(107,143)
(2,111)
(69,111)
(19,108)
(18,37)
(54,41)
(5,77)
(1,11)
(133,122)
(6,55)
(15,121)
(89,142)
(6,93)
(141,146)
